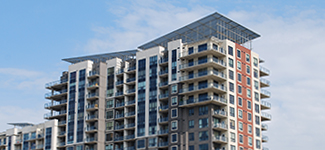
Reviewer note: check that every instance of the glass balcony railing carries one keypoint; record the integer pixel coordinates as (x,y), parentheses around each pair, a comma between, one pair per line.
(163,83)
(118,138)
(198,100)
(162,144)
(119,115)
(130,148)
(132,136)
(266,115)
(209,47)
(61,143)
(265,92)
(90,106)
(119,104)
(55,103)
(130,102)
(56,93)
(62,122)
(164,107)
(55,113)
(161,72)
(131,68)
(220,125)
(131,91)
(163,119)
(120,71)
(119,82)
(93,73)
(91,139)
(40,146)
(163,60)
(56,82)
(265,148)
(91,128)
(203,73)
(130,79)
(132,113)
(220,138)
(198,87)
(220,112)
(90,117)
(265,138)
(266,71)
(118,93)
(265,103)
(264,81)
(195,63)
(92,84)
(161,96)
(264,126)
(130,125)
(62,133)
(119,127)
(163,131)
(91,95)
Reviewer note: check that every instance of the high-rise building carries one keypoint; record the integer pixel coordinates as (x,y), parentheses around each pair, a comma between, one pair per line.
(197,88)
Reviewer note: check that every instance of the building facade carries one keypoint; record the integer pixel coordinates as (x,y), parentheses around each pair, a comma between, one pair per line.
(197,88)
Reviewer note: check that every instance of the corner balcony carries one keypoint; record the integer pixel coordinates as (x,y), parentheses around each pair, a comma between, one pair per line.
(92,107)
(120,71)
(121,104)
(129,137)
(92,96)
(93,74)
(62,123)
(58,84)
(163,120)
(220,114)
(119,116)
(163,144)
(130,92)
(264,127)
(130,81)
(264,71)
(91,140)
(163,132)
(203,75)
(163,108)
(118,83)
(119,94)
(61,134)
(92,85)
(130,126)
(265,116)
(209,62)
(56,95)
(163,61)
(130,114)
(119,138)
(119,127)
(211,87)
(55,114)
(130,103)
(265,105)
(265,138)
(220,139)
(163,96)
(92,118)
(163,73)
(210,49)
(131,69)
(203,101)
(264,83)
(163,85)
(220,126)
(265,94)
(56,105)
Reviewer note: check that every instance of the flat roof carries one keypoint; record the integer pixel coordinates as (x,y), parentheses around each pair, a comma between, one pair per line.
(124,55)
(212,25)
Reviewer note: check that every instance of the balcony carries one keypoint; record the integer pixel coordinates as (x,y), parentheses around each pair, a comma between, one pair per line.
(40,146)
(61,144)
(265,148)
(91,140)
(265,94)
(265,138)
(130,114)
(62,123)
(61,134)
(198,53)
(264,127)
(121,104)
(220,139)
(91,129)
(220,113)
(55,114)
(131,68)
(130,91)
(56,94)
(130,102)
(265,105)
(129,137)
(220,126)
(130,148)
(265,116)
(92,85)
(264,71)
(92,107)
(264,82)
(203,75)
(211,87)
(118,83)
(130,125)
(163,108)
(92,96)
(163,120)
(203,101)
(120,71)
(163,132)
(93,74)
(116,139)
(163,144)
(119,127)
(163,73)
(91,118)
(209,62)
(18,141)
(119,94)
(163,84)
(163,60)
(57,84)
(163,96)
(129,80)
(117,116)
(56,104)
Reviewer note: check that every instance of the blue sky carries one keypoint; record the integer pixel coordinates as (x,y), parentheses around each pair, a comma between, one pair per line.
(36,35)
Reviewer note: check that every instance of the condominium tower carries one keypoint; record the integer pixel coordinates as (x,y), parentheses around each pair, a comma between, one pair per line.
(197,88)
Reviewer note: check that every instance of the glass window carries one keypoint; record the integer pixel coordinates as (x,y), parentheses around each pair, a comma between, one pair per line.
(239,77)
(232,147)
(250,143)
(240,113)
(255,62)
(257,108)
(141,144)
(257,96)
(191,136)
(255,73)
(258,144)
(233,137)
(240,101)
(241,140)
(248,69)
(239,89)
(109,104)
(204,122)
(152,142)
(174,100)
(204,146)
(191,147)
(202,47)
(174,88)
(240,126)
(248,81)
(174,148)
(249,128)
(238,65)
(191,111)
(231,62)
(247,57)
(238,53)
(249,104)
(203,110)
(231,99)
(231,74)
(230,51)
(109,125)
(249,116)
(232,111)
(258,132)
(257,120)
(174,125)
(203,135)
(231,87)
(232,124)
(174,112)
(191,124)
(174,137)
(256,84)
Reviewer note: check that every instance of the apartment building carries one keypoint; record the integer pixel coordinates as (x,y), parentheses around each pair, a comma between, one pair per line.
(200,87)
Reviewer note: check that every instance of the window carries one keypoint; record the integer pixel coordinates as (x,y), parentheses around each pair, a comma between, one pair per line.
(257,120)
(191,124)
(257,96)
(258,132)
(109,147)
(255,73)
(232,137)
(174,125)
(232,111)
(258,144)
(249,104)
(191,111)
(232,124)
(255,62)
(202,47)
(240,113)
(231,87)
(247,57)
(191,136)
(231,99)
(174,101)
(238,65)
(250,143)
(256,84)
(203,110)
(257,108)
(191,147)
(248,81)
(204,146)
(239,77)
(241,140)
(141,144)
(203,123)
(240,101)
(231,62)
(203,135)
(232,147)
(174,138)
(174,148)
(240,126)
(241,148)
(109,104)
(238,53)
(230,51)
(152,142)
(249,128)
(239,89)
(174,88)
(248,69)
(249,116)
(231,74)
(109,125)
(174,112)
(109,114)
